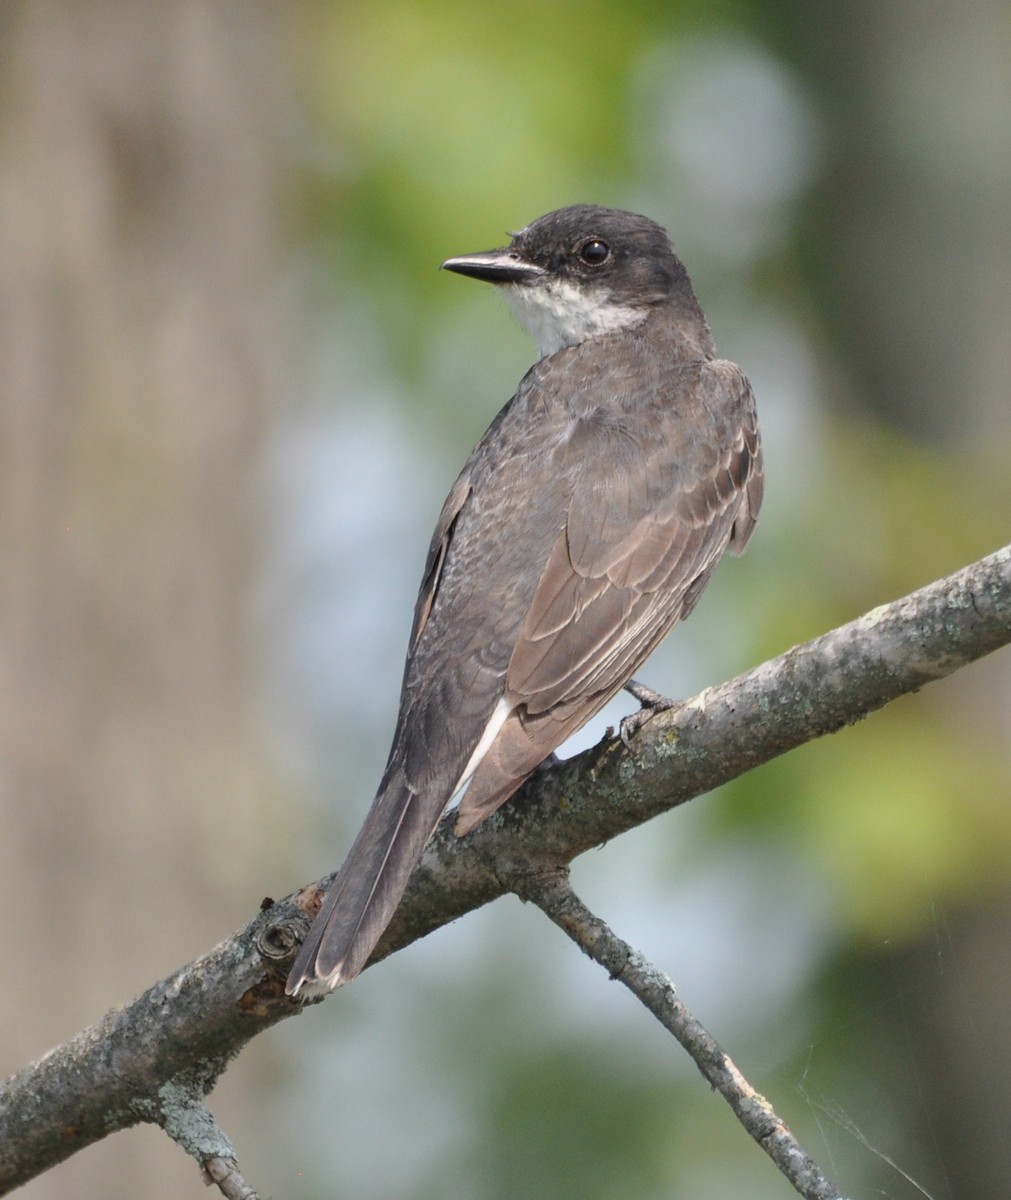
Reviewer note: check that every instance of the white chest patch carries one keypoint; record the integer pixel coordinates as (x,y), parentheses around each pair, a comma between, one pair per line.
(557,314)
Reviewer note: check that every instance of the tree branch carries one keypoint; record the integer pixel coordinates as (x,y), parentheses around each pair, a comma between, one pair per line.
(184,1030)
(150,1061)
(552,893)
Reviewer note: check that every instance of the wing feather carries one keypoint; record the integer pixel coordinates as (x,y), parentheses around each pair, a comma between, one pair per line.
(654,499)
(437,556)
(634,551)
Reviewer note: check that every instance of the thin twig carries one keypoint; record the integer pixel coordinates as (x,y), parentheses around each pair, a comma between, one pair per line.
(180,1110)
(552,893)
(225,1173)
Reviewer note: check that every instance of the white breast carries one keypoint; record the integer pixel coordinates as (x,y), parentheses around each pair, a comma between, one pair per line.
(558,314)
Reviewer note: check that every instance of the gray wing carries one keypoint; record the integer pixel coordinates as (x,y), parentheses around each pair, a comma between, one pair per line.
(641,538)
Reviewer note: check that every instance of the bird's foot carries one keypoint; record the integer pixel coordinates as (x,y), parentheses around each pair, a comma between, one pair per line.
(650,703)
(547,763)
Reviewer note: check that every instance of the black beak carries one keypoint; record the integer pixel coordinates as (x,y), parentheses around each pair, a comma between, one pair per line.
(495,266)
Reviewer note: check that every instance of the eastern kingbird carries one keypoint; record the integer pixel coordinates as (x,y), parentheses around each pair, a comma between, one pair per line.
(585,524)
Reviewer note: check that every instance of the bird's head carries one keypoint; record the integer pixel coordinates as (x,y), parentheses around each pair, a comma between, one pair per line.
(582,272)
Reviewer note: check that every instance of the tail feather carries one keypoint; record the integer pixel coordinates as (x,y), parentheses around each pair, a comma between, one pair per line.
(368,888)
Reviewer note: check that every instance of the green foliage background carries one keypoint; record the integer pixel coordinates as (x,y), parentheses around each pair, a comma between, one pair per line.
(432,128)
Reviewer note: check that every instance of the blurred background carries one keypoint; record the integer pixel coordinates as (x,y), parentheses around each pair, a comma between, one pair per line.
(234,390)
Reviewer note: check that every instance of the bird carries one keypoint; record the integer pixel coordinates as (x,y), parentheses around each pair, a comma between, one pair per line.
(585,524)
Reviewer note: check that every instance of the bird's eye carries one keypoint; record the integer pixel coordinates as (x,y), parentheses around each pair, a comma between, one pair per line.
(594,251)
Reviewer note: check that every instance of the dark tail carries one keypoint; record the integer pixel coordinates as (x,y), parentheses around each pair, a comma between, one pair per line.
(368,888)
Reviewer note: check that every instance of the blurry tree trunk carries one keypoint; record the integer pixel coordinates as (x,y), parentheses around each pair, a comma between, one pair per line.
(140,191)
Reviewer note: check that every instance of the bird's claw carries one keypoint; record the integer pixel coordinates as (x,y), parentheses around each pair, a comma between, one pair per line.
(546,764)
(650,702)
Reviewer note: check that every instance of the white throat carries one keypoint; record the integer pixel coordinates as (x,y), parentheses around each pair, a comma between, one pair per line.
(558,314)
